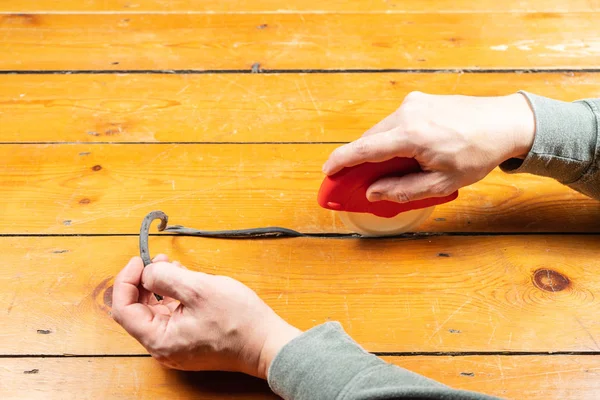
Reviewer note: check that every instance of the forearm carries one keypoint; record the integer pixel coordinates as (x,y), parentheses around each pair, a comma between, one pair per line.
(565,147)
(325,363)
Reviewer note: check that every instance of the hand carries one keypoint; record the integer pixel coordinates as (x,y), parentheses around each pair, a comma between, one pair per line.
(204,322)
(457,140)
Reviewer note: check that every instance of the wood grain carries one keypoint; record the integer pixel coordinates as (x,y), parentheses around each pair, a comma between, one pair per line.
(275,6)
(441,294)
(289,41)
(238,108)
(530,377)
(73,189)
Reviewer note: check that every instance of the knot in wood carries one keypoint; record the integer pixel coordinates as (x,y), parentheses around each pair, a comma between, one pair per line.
(550,281)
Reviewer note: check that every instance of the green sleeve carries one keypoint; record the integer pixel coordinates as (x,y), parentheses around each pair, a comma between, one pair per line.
(325,363)
(565,147)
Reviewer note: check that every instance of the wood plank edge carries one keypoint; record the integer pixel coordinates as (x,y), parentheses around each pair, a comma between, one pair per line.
(299,71)
(378,354)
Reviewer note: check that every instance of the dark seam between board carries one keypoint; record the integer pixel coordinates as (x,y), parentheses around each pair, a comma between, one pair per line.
(302,71)
(325,235)
(379,354)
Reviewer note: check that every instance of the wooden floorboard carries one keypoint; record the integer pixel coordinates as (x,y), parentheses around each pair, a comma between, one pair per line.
(239,108)
(437,294)
(520,377)
(288,41)
(98,188)
(279,7)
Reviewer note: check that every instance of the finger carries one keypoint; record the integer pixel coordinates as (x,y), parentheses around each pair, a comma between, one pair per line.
(180,265)
(165,258)
(167,279)
(170,303)
(147,297)
(385,124)
(160,309)
(133,316)
(160,257)
(374,148)
(125,288)
(409,188)
(151,301)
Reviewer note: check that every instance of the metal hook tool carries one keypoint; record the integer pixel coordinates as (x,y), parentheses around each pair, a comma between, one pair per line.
(144,251)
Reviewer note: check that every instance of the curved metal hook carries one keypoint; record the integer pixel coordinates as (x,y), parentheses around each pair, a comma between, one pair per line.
(144,251)
(144,230)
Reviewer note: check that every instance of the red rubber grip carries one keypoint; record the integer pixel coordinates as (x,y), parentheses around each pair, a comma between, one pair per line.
(347,189)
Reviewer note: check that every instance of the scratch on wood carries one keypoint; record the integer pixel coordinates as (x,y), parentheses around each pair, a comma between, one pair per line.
(588,332)
(493,333)
(163,154)
(312,99)
(448,319)
(300,91)
(533,375)
(437,323)
(250,92)
(500,367)
(44,331)
(347,309)
(183,90)
(287,276)
(458,76)
(136,380)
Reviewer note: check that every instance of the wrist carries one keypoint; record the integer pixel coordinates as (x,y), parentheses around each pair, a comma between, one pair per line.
(280,334)
(521,129)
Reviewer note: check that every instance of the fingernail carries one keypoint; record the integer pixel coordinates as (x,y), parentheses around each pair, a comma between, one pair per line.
(375,196)
(326,167)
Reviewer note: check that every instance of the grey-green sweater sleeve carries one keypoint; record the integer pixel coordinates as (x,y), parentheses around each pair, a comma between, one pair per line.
(566,144)
(324,363)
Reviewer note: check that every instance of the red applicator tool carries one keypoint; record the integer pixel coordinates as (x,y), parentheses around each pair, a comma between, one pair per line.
(346,193)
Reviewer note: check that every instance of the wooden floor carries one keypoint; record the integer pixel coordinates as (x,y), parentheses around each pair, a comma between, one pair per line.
(110,109)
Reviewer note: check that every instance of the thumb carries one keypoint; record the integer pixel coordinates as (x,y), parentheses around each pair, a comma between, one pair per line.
(169,279)
(409,187)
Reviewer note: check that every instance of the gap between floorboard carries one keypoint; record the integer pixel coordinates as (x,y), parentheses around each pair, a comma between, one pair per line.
(303,71)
